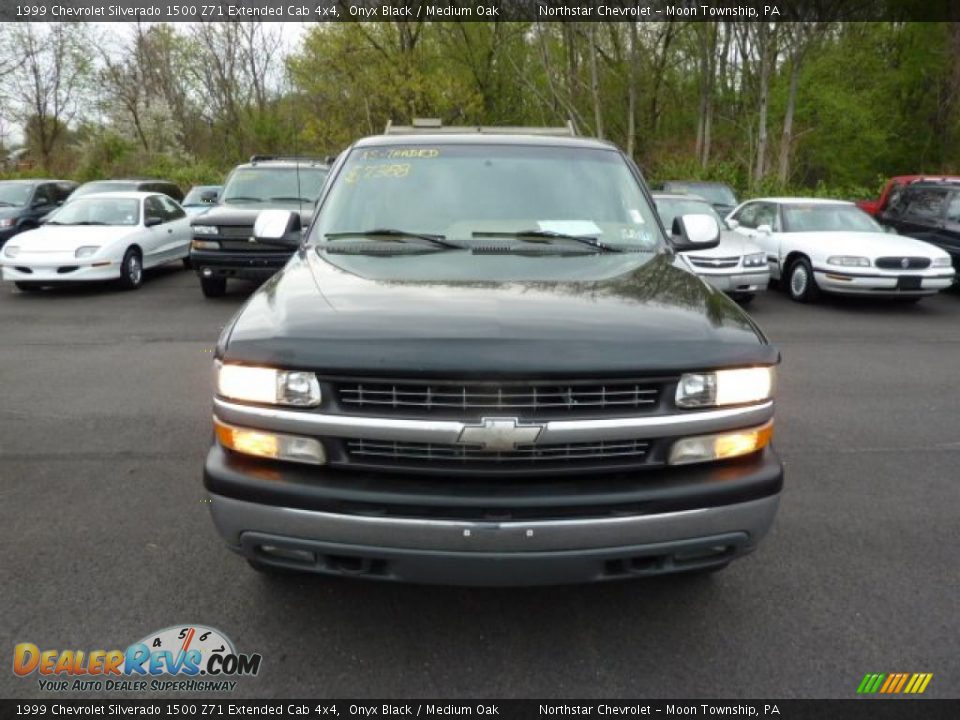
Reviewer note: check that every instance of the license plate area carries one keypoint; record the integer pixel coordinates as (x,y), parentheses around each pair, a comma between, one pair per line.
(909,282)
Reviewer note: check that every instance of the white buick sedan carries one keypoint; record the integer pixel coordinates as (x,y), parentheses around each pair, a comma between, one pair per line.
(815,245)
(108,236)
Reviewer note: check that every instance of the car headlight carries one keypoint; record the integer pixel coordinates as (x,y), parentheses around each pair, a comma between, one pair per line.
(205,244)
(755,260)
(267,385)
(706,448)
(848,261)
(11,251)
(206,230)
(86,251)
(8,222)
(275,446)
(725,387)
(941,262)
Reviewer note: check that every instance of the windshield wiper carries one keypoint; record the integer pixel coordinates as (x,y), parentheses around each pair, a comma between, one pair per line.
(394,235)
(4,203)
(548,235)
(88,222)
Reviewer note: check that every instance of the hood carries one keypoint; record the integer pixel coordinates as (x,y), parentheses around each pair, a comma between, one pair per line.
(8,212)
(67,238)
(246,215)
(731,244)
(871,244)
(654,318)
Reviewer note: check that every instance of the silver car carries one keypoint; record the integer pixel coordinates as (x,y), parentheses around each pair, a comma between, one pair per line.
(736,266)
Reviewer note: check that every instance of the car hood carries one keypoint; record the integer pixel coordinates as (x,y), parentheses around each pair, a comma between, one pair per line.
(7,212)
(655,318)
(868,244)
(246,215)
(731,244)
(67,238)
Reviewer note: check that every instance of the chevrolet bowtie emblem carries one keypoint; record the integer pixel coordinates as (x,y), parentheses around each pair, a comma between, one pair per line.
(499,434)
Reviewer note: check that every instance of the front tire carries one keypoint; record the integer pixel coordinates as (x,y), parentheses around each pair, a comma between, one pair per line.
(801,284)
(187,264)
(27,287)
(213,287)
(131,270)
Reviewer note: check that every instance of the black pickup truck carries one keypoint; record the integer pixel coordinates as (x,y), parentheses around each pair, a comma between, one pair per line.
(223,242)
(481,366)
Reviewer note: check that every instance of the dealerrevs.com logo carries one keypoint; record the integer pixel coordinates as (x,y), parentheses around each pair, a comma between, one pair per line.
(187,658)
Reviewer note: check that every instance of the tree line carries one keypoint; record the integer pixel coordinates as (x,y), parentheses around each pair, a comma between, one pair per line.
(828,106)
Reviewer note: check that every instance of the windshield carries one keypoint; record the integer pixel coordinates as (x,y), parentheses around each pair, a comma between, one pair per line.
(98,211)
(15,193)
(271,184)
(195,196)
(716,194)
(101,187)
(473,193)
(827,218)
(671,208)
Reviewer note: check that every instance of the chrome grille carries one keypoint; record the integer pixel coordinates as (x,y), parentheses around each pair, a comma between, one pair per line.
(715,263)
(631,450)
(897,263)
(521,399)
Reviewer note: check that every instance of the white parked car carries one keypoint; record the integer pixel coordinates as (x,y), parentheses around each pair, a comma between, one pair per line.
(816,245)
(736,266)
(107,236)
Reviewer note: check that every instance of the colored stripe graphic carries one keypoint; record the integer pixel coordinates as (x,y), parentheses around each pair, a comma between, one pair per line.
(894,683)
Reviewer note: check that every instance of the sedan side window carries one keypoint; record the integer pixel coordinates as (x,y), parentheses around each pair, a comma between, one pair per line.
(766,215)
(953,209)
(172,211)
(747,216)
(42,196)
(153,209)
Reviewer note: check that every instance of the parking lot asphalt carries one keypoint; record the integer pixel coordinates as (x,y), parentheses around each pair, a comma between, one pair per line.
(105,420)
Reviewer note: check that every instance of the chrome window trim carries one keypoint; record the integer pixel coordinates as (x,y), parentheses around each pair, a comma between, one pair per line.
(306,422)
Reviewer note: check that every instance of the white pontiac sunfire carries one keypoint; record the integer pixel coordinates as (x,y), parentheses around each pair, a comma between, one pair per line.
(107,236)
(815,245)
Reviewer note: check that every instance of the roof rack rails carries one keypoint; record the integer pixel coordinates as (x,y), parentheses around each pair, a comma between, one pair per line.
(434,126)
(947,179)
(292,158)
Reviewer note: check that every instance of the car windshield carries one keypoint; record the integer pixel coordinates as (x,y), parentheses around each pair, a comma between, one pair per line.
(98,211)
(14,193)
(273,184)
(827,218)
(713,193)
(471,194)
(671,208)
(195,196)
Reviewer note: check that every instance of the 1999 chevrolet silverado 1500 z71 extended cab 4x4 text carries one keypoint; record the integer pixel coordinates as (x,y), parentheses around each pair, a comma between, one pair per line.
(480,367)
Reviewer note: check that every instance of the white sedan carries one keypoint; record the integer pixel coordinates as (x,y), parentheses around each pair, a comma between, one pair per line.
(815,245)
(107,236)
(736,266)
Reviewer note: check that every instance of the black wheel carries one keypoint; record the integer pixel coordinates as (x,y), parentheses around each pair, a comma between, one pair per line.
(743,298)
(801,284)
(27,286)
(213,286)
(131,270)
(186,263)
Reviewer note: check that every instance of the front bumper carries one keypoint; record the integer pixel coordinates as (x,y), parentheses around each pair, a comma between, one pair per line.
(929,283)
(58,268)
(248,266)
(737,282)
(466,531)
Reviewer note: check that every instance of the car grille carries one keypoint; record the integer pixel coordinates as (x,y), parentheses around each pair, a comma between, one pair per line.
(896,263)
(631,451)
(235,231)
(714,263)
(520,399)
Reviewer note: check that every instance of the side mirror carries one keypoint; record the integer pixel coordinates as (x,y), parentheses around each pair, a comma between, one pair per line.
(764,229)
(279,227)
(733,224)
(153,220)
(209,196)
(695,232)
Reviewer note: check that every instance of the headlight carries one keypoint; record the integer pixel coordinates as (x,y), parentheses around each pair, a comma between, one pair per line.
(266,385)
(86,251)
(205,244)
(848,261)
(8,222)
(725,387)
(11,251)
(941,262)
(276,446)
(706,448)
(755,260)
(206,230)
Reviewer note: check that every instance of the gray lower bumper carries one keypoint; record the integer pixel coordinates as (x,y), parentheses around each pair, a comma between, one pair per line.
(461,552)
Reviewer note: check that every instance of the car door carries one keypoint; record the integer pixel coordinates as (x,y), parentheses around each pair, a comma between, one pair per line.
(750,218)
(179,229)
(158,231)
